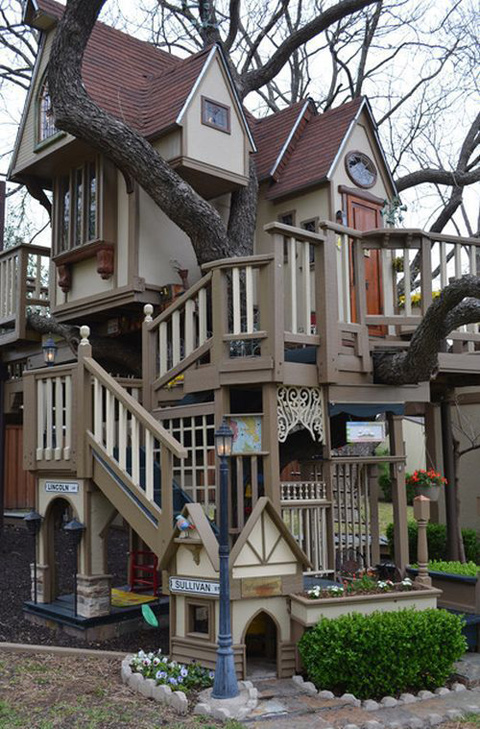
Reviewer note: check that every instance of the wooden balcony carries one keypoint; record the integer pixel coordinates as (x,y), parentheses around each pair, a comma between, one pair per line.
(24,274)
(308,309)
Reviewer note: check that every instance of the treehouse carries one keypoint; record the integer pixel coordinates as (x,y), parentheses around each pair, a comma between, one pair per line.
(282,344)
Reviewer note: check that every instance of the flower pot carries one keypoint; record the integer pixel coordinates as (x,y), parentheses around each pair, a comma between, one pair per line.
(431,492)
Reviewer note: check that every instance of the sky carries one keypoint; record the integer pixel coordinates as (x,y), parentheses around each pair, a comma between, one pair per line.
(420,206)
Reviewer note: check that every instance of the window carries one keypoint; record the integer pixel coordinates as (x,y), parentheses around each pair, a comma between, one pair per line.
(310,225)
(200,618)
(287,218)
(215,115)
(77,208)
(46,124)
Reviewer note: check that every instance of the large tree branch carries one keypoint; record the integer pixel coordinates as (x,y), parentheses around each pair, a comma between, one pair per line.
(75,112)
(253,80)
(438,177)
(458,304)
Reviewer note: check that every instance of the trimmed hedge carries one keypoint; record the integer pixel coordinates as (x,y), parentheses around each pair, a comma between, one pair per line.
(383,654)
(437,542)
(385,483)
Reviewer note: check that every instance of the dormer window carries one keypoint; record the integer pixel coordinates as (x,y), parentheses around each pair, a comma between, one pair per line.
(215,115)
(46,123)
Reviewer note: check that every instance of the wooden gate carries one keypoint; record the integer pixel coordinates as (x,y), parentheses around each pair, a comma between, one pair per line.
(19,484)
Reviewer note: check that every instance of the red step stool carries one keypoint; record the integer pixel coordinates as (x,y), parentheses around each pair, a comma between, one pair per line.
(143,574)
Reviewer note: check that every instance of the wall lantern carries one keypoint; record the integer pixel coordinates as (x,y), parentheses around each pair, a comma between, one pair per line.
(49,351)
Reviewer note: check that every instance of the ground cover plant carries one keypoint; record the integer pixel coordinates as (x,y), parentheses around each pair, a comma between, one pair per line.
(383,654)
(170,673)
(364,585)
(467,569)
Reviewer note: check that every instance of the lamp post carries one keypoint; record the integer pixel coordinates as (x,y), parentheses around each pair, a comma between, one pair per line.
(75,530)
(225,684)
(33,521)
(49,352)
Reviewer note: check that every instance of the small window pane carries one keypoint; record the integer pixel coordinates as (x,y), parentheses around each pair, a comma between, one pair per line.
(47,126)
(78,207)
(64,218)
(92,202)
(199,619)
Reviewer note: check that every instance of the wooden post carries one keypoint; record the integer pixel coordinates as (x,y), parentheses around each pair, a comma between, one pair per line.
(399,496)
(421,512)
(326,308)
(453,551)
(372,474)
(271,462)
(219,315)
(166,466)
(148,358)
(83,401)
(272,307)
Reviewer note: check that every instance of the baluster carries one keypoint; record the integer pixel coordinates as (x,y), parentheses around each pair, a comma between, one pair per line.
(59,404)
(110,422)
(407,283)
(249,297)
(189,327)
(135,450)
(176,338)
(40,418)
(38,277)
(3,284)
(49,413)
(163,347)
(122,436)
(149,465)
(236,304)
(307,297)
(67,449)
(97,410)
(202,316)
(458,260)
(443,264)
(292,265)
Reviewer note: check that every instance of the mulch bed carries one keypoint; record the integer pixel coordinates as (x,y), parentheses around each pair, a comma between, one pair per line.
(16,554)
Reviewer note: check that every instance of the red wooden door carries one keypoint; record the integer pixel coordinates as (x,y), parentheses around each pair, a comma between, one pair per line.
(365,215)
(19,484)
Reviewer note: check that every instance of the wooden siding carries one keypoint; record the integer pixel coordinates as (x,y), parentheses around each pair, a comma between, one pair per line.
(19,484)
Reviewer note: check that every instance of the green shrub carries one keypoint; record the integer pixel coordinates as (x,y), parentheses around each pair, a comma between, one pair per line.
(385,483)
(383,653)
(437,542)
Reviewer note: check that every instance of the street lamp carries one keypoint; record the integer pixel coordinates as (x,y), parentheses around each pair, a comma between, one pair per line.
(33,521)
(225,684)
(75,530)
(49,351)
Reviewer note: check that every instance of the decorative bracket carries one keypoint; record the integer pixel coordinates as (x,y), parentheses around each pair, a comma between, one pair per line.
(299,407)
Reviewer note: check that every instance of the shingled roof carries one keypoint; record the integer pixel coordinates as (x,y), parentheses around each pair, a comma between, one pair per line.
(324,134)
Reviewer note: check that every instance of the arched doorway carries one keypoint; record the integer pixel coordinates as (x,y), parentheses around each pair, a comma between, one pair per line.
(261,642)
(60,555)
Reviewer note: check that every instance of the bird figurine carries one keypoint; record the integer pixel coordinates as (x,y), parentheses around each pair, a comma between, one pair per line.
(184,525)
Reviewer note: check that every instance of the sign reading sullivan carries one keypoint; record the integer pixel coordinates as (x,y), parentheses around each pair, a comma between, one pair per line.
(61,487)
(198,587)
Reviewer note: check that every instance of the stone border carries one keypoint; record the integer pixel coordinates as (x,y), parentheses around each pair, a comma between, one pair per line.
(225,709)
(176,700)
(387,702)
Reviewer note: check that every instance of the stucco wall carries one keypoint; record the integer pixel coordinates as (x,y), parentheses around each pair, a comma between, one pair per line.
(213,146)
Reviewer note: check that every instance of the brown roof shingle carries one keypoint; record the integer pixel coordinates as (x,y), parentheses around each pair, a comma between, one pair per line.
(271,133)
(324,134)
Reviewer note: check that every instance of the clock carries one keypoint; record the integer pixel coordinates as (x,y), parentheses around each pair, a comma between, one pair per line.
(361,169)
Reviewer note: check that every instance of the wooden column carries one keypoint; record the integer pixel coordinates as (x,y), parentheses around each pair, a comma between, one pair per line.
(326,307)
(453,551)
(271,462)
(421,512)
(82,399)
(271,306)
(373,503)
(148,357)
(399,496)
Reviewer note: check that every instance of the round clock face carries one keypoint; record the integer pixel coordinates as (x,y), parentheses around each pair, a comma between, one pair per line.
(361,169)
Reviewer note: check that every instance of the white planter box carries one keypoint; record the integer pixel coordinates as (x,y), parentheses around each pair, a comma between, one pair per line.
(308,612)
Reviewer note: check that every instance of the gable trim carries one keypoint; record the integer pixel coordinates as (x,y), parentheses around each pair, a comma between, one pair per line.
(342,146)
(195,86)
(28,102)
(289,138)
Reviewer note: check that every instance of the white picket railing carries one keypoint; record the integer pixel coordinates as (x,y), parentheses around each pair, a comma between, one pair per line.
(9,284)
(299,283)
(304,510)
(54,416)
(128,434)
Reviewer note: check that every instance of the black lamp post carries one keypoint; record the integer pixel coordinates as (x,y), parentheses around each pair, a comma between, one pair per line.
(33,521)
(49,351)
(225,684)
(75,530)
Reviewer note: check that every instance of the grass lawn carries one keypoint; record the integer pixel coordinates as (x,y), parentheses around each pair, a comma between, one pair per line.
(385,515)
(48,691)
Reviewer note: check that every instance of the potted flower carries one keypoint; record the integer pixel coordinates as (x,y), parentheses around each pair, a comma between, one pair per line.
(426,483)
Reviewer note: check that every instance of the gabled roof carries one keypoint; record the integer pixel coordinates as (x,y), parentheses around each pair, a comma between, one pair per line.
(275,133)
(196,515)
(324,134)
(265,506)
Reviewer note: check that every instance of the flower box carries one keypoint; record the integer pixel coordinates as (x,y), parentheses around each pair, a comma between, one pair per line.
(459,592)
(308,612)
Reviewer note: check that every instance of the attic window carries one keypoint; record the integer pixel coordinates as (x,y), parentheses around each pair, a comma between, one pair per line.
(215,115)
(46,123)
